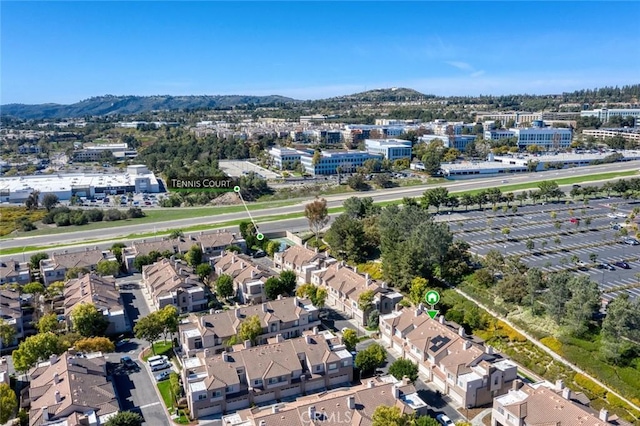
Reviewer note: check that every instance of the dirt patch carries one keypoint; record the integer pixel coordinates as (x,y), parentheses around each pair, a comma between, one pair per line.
(226,199)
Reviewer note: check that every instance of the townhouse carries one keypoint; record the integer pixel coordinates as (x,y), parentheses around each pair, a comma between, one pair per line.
(345,285)
(55,268)
(471,374)
(543,403)
(71,390)
(11,313)
(354,406)
(301,260)
(100,292)
(248,278)
(172,282)
(212,245)
(217,384)
(13,272)
(288,317)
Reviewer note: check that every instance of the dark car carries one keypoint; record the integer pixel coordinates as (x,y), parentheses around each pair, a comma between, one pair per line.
(623,265)
(605,265)
(163,376)
(128,362)
(259,253)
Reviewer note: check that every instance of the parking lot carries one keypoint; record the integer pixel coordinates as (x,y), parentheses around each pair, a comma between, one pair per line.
(556,237)
(238,168)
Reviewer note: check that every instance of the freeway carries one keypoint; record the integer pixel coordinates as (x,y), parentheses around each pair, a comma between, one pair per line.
(77,237)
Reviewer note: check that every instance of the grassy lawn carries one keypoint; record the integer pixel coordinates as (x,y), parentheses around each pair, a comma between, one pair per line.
(165,391)
(161,348)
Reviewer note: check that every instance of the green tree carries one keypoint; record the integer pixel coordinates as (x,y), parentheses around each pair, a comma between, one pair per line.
(8,403)
(272,248)
(34,260)
(403,367)
(365,300)
(357,182)
(350,339)
(75,272)
(273,287)
(35,348)
(419,287)
(125,418)
(194,255)
(95,344)
(557,295)
(49,201)
(7,333)
(426,421)
(32,201)
(581,307)
(288,279)
(48,322)
(315,294)
(33,288)
(88,320)
(512,288)
(108,268)
(174,385)
(370,358)
(168,316)
(224,286)
(390,416)
(435,197)
(317,214)
(175,234)
(204,271)
(347,240)
(116,249)
(250,329)
(149,328)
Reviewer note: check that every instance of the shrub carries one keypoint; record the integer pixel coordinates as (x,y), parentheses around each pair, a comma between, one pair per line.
(592,389)
(62,219)
(113,215)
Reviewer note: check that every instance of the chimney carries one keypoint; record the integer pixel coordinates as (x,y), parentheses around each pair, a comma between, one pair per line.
(355,269)
(206,353)
(56,378)
(58,397)
(351,402)
(405,380)
(441,319)
(253,274)
(279,297)
(279,338)
(516,384)
(315,330)
(247,344)
(371,384)
(264,308)
(466,345)
(225,356)
(566,393)
(417,312)
(262,423)
(396,391)
(295,301)
(45,413)
(559,385)
(367,277)
(237,312)
(275,409)
(461,332)
(53,359)
(604,415)
(211,311)
(307,339)
(312,412)
(488,349)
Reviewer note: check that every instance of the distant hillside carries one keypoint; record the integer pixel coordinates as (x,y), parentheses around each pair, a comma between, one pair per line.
(105,105)
(396,94)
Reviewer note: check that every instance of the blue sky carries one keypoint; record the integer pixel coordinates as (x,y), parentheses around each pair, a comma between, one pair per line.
(67,51)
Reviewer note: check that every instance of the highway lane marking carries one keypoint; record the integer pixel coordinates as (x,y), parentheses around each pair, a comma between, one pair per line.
(149,405)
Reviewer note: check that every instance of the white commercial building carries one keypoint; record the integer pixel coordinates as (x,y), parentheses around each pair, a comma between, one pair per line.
(137,178)
(604,114)
(545,137)
(392,149)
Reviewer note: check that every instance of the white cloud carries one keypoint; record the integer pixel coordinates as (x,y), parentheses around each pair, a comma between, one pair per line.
(460,65)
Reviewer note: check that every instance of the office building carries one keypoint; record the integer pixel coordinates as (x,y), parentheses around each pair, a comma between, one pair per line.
(391,149)
(329,162)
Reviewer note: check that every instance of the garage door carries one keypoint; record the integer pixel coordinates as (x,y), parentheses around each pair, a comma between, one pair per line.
(238,405)
(293,390)
(339,379)
(266,397)
(457,398)
(439,382)
(215,409)
(315,385)
(397,346)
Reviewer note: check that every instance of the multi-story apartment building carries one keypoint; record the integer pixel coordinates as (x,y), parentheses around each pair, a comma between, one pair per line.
(172,282)
(353,406)
(214,243)
(232,381)
(12,271)
(100,292)
(248,278)
(344,287)
(302,260)
(71,390)
(329,161)
(391,149)
(288,317)
(55,268)
(604,114)
(542,403)
(470,374)
(11,313)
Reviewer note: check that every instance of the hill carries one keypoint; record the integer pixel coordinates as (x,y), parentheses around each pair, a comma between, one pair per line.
(395,94)
(107,105)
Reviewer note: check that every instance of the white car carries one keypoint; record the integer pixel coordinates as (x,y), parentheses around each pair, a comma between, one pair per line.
(612,215)
(621,215)
(158,358)
(444,420)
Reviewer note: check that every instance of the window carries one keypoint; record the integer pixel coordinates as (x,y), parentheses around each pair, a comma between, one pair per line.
(228,389)
(318,368)
(273,380)
(217,394)
(295,323)
(333,366)
(201,397)
(257,382)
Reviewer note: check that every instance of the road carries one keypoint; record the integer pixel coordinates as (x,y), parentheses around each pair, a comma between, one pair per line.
(332,201)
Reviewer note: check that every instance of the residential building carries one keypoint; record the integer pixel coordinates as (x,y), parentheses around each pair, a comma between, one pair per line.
(12,271)
(230,381)
(302,260)
(472,375)
(248,278)
(11,312)
(100,292)
(55,268)
(344,287)
(288,317)
(71,390)
(329,161)
(391,149)
(172,282)
(353,406)
(542,403)
(214,243)
(4,371)
(605,114)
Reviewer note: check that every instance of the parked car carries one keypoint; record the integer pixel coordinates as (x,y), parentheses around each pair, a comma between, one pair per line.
(158,358)
(259,253)
(631,241)
(619,214)
(159,365)
(163,376)
(128,362)
(444,420)
(120,343)
(605,265)
(581,264)
(623,265)
(612,215)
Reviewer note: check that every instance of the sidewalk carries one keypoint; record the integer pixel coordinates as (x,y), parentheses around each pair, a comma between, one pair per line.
(477,420)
